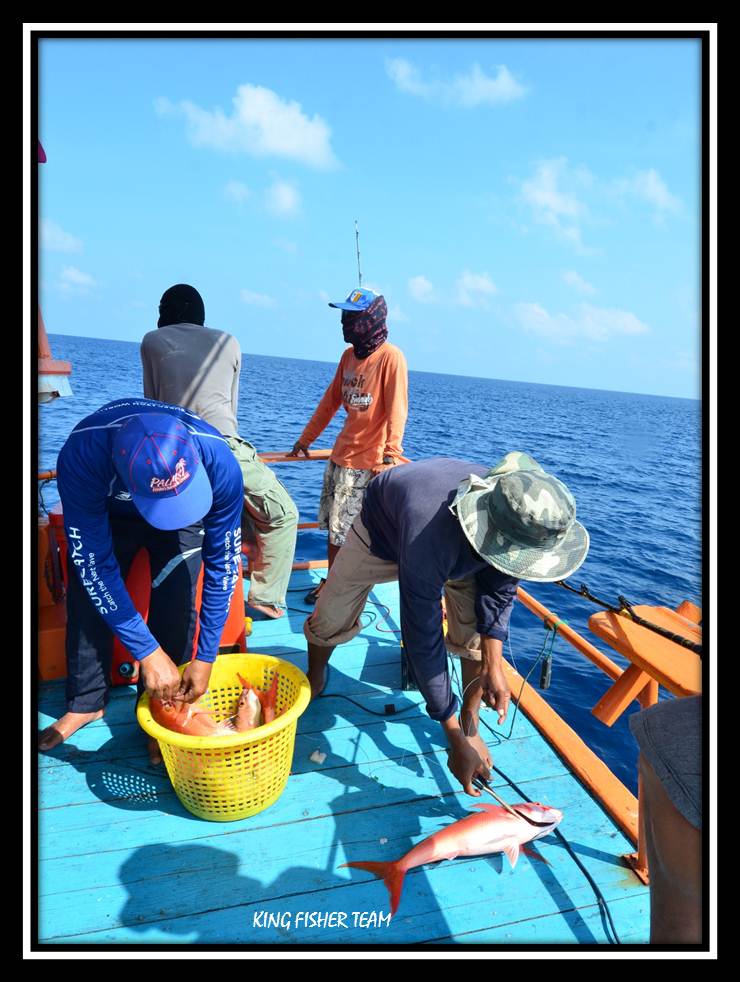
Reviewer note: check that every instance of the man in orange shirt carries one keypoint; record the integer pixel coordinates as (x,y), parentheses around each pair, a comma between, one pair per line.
(371,382)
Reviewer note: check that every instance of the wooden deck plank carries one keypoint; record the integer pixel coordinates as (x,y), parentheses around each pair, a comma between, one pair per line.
(122,861)
(216,875)
(154,813)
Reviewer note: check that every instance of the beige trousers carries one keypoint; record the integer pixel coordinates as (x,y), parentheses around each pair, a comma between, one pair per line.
(355,571)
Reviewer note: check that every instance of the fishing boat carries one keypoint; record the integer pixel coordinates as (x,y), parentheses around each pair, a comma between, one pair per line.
(122,862)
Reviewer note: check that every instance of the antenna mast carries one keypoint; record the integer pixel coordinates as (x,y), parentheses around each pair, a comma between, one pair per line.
(357,243)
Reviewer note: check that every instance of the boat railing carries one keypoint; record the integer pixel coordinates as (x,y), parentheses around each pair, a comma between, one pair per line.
(617,800)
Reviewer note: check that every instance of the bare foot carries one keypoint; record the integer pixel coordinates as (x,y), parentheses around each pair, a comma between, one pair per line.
(58,732)
(155,755)
(268,610)
(469,726)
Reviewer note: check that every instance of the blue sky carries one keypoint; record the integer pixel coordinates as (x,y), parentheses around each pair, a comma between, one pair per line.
(530,209)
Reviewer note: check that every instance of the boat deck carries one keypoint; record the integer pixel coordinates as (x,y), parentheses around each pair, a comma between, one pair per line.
(122,862)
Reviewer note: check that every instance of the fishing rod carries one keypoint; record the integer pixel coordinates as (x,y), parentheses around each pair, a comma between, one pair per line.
(357,246)
(626,609)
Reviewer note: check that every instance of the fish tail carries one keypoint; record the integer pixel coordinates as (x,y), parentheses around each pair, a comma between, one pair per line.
(392,875)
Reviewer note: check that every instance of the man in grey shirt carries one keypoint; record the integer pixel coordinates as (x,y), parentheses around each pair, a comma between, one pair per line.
(188,364)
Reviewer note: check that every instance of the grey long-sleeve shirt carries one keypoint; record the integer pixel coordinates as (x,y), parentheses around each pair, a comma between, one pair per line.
(196,367)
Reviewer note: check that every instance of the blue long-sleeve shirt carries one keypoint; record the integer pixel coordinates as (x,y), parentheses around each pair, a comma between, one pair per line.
(406,512)
(91,491)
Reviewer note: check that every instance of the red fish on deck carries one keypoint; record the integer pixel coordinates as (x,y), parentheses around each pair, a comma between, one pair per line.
(493,829)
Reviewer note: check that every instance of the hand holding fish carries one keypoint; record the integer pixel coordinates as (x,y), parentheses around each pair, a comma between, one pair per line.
(463,759)
(195,680)
(159,675)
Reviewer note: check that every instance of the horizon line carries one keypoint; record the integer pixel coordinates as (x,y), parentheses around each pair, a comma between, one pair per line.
(420,371)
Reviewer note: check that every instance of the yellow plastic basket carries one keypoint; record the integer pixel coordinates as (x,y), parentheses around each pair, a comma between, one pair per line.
(225,778)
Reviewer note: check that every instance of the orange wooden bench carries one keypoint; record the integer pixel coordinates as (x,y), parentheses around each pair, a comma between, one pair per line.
(655,660)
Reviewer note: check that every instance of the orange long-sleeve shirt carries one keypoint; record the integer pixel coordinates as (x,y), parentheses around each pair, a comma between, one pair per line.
(374,393)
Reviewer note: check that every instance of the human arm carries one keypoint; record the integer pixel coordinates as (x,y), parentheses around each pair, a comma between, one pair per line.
(323,414)
(235,380)
(221,554)
(147,370)
(396,402)
(423,639)
(494,601)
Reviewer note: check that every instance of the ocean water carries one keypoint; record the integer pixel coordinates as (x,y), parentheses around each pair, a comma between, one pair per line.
(633,463)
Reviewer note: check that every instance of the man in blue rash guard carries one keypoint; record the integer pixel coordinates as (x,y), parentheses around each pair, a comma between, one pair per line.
(445,526)
(143,473)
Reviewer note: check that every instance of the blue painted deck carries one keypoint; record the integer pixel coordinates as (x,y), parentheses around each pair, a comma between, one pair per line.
(121,861)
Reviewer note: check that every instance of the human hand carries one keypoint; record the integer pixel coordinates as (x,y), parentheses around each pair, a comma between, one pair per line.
(298,447)
(195,680)
(495,689)
(465,763)
(160,676)
(387,462)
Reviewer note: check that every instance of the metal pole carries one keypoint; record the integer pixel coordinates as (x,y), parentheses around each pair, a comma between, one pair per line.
(357,244)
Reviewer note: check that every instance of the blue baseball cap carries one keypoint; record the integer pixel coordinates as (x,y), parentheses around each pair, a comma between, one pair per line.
(357,300)
(158,462)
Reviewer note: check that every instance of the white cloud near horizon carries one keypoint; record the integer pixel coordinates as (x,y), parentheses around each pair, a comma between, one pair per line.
(421,289)
(396,314)
(75,281)
(589,323)
(261,124)
(283,198)
(573,279)
(257,299)
(469,89)
(474,289)
(237,192)
(55,239)
(650,187)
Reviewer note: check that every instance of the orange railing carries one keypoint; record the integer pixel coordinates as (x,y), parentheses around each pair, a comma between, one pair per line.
(616,799)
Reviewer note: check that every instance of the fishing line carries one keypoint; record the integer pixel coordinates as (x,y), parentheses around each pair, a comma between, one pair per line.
(536,662)
(389,709)
(626,609)
(600,899)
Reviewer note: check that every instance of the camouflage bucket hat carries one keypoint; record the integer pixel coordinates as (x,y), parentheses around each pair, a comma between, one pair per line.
(522,520)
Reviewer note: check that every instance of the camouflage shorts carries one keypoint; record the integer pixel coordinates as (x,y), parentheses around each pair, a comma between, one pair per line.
(341,499)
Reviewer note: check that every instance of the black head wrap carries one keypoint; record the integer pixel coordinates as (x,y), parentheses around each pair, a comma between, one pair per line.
(181,304)
(366,330)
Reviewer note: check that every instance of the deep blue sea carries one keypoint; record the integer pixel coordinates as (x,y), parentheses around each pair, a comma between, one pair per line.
(633,463)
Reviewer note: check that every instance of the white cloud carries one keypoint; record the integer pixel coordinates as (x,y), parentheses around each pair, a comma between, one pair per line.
(237,192)
(396,314)
(257,299)
(551,196)
(589,323)
(649,186)
(74,281)
(283,198)
(325,296)
(474,289)
(421,289)
(470,89)
(261,124)
(54,238)
(163,106)
(578,283)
